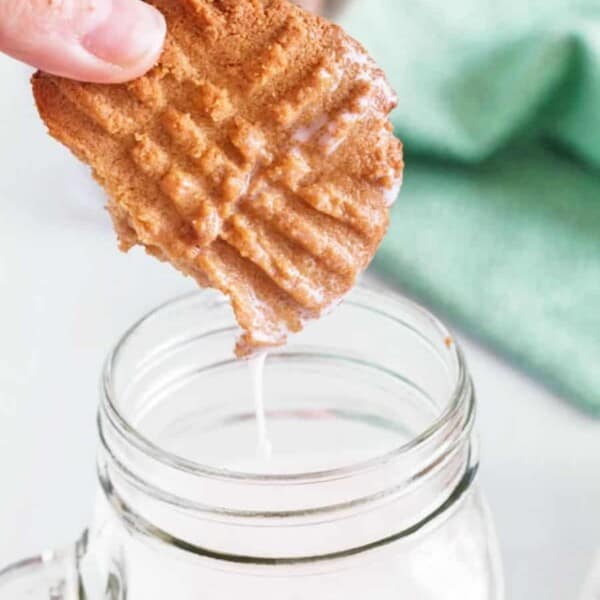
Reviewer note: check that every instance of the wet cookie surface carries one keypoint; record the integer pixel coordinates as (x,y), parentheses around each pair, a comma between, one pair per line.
(256,157)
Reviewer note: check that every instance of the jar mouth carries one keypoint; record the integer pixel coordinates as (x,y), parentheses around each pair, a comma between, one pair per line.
(394,307)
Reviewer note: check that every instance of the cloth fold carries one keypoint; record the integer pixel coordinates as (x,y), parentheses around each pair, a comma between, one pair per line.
(498,224)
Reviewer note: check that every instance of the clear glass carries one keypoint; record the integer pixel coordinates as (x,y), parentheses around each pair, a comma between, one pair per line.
(370,491)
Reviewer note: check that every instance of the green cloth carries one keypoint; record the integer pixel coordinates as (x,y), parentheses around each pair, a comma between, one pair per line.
(498,223)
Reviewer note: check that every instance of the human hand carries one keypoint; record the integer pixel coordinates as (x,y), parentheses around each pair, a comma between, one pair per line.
(102,41)
(315,6)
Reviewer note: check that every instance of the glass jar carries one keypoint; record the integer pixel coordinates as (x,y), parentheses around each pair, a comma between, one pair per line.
(370,491)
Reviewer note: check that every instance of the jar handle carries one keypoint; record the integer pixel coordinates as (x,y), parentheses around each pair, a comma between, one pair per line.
(49,576)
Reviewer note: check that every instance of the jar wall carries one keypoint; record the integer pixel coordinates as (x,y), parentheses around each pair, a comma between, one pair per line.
(370,488)
(453,558)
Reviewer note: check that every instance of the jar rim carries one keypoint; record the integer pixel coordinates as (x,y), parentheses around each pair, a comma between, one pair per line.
(131,435)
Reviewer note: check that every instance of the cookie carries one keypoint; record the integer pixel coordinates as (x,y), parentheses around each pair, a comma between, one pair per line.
(256,157)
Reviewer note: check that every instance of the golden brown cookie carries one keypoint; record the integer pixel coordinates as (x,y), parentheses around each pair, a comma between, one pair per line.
(257,156)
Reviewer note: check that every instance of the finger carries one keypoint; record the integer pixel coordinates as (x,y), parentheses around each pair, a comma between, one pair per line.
(104,41)
(312,5)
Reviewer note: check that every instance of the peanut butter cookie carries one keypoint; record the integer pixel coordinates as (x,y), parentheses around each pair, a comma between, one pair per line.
(256,157)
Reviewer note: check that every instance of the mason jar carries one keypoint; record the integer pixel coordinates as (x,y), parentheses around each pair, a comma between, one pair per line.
(370,490)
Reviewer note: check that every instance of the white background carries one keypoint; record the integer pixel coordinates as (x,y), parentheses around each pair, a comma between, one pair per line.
(66,294)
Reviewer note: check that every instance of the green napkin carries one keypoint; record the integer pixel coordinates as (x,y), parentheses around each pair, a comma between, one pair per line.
(498,223)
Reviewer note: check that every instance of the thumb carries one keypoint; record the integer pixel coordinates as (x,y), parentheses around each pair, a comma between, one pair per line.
(103,41)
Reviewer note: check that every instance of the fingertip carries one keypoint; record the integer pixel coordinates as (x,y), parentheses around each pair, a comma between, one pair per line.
(128,43)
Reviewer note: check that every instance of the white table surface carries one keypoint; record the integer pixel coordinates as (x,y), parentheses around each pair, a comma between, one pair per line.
(66,294)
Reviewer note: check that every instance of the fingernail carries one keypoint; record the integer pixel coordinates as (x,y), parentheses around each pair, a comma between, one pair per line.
(133,32)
